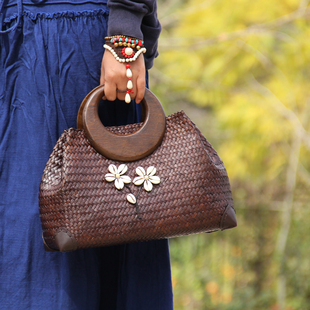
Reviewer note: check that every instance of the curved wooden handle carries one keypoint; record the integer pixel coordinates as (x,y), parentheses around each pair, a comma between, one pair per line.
(129,147)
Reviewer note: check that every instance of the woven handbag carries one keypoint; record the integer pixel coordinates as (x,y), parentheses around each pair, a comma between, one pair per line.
(156,179)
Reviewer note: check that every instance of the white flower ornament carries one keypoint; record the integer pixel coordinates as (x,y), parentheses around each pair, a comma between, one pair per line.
(147,179)
(117,175)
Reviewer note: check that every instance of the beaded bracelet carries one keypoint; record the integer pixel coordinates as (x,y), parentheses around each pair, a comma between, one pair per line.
(125,50)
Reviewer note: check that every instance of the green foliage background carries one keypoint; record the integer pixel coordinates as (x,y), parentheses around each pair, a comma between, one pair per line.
(240,70)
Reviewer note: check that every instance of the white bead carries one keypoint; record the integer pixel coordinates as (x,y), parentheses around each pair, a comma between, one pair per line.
(128,51)
(140,171)
(119,184)
(129,84)
(154,179)
(110,177)
(112,168)
(125,178)
(122,169)
(127,98)
(128,73)
(138,180)
(131,199)
(151,170)
(148,186)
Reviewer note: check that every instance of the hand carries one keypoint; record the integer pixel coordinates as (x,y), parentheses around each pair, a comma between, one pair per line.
(113,76)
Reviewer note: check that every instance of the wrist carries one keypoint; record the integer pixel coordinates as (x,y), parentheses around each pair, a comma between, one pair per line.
(125,49)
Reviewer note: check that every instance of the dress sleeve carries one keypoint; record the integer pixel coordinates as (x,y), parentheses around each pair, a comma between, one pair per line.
(137,18)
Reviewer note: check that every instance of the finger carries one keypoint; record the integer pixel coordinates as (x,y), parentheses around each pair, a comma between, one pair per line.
(121,92)
(110,91)
(125,86)
(102,80)
(140,89)
(102,74)
(121,89)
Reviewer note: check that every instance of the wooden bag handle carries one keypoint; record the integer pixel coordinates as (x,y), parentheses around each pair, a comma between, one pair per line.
(129,147)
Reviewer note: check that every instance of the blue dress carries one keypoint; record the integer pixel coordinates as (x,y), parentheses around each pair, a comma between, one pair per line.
(48,63)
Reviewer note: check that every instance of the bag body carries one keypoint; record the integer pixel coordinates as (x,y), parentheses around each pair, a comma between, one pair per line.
(76,201)
(81,206)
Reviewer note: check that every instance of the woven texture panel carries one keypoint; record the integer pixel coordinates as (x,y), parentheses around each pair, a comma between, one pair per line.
(191,197)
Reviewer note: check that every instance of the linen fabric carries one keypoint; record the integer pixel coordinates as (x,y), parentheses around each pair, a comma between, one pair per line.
(47,66)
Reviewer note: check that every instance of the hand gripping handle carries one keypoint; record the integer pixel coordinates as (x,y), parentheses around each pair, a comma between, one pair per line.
(130,147)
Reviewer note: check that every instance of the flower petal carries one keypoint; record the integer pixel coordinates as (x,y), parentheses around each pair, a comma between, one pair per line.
(138,180)
(131,198)
(109,177)
(119,184)
(125,178)
(122,169)
(148,185)
(151,170)
(112,168)
(140,171)
(154,179)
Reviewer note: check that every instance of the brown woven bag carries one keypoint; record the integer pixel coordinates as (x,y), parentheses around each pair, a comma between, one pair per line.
(157,179)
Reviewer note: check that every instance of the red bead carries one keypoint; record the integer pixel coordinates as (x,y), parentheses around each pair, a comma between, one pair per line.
(127,66)
(117,38)
(129,40)
(129,79)
(140,43)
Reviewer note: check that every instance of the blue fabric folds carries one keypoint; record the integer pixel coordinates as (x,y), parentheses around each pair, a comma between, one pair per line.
(47,66)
